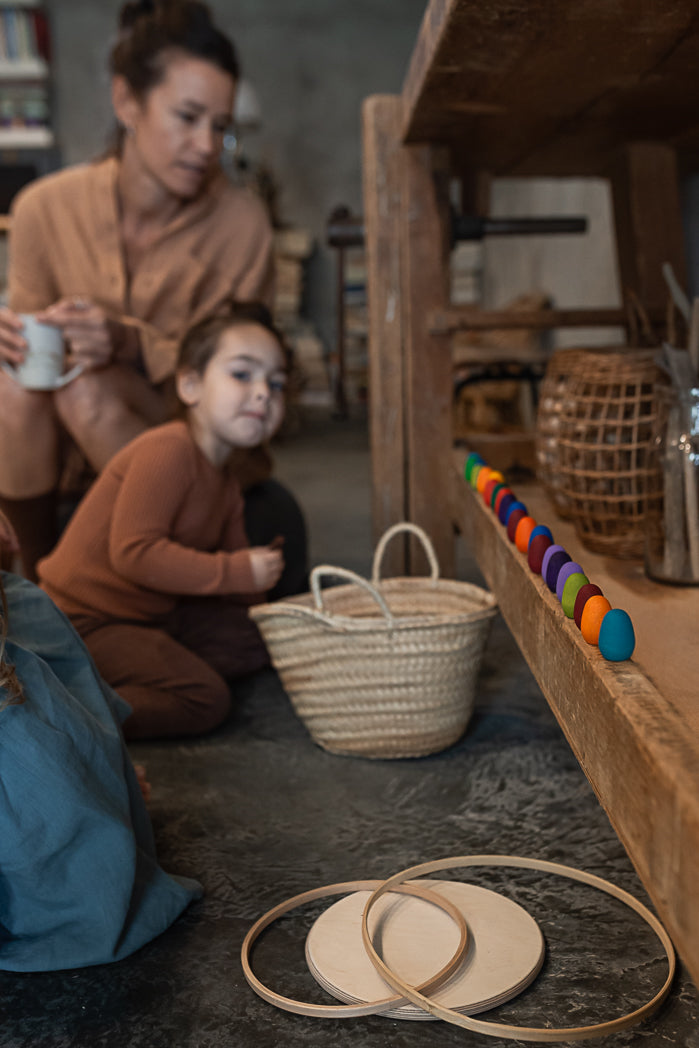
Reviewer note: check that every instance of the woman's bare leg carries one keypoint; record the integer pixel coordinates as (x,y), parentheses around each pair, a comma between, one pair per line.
(28,441)
(103,410)
(29,466)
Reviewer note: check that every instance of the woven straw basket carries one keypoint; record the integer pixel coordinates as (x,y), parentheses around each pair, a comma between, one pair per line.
(604,470)
(385,668)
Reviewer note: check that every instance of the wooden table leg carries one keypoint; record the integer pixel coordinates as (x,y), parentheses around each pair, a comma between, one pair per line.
(381,119)
(425,246)
(406,216)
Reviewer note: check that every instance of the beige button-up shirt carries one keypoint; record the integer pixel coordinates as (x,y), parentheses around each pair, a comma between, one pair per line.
(65,240)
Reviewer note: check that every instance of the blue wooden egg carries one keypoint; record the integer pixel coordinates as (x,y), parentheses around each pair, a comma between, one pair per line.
(512,507)
(541,529)
(616,636)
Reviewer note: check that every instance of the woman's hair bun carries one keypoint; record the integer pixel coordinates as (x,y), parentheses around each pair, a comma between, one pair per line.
(134,10)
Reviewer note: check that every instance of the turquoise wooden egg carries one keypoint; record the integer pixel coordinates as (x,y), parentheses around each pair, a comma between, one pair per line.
(616,636)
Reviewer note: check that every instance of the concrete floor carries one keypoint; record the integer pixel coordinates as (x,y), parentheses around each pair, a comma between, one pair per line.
(258,813)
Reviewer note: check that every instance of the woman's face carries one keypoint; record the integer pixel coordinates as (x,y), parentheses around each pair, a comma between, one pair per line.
(175,133)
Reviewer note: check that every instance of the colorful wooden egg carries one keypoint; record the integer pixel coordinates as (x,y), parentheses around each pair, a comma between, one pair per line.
(495,492)
(471,461)
(484,476)
(524,530)
(568,569)
(573,584)
(552,549)
(584,594)
(504,490)
(553,567)
(504,508)
(515,505)
(535,554)
(513,519)
(489,489)
(541,529)
(473,479)
(594,611)
(616,636)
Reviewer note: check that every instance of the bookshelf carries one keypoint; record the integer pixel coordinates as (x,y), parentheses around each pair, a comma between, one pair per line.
(25,106)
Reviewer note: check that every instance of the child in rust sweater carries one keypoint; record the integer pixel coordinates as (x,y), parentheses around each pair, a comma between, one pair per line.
(154,568)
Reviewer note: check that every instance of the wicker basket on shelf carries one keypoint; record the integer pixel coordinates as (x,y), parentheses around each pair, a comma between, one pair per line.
(385,668)
(552,393)
(604,468)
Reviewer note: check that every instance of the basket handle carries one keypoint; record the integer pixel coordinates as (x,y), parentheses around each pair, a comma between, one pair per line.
(396,530)
(323,570)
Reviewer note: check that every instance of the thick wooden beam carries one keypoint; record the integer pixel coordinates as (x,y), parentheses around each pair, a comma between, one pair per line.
(468,318)
(648,220)
(381,117)
(424,242)
(637,744)
(541,88)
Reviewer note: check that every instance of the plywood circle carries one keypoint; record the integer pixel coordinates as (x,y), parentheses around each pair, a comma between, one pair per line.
(415,940)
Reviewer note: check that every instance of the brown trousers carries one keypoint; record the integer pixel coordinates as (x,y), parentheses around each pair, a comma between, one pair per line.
(175,675)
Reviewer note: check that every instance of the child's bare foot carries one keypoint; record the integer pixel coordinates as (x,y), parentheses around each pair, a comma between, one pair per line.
(143,781)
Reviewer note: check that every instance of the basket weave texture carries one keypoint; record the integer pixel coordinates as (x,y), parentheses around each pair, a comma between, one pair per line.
(552,394)
(385,668)
(604,471)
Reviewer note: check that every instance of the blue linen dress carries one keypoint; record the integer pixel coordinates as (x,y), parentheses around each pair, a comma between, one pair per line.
(80,882)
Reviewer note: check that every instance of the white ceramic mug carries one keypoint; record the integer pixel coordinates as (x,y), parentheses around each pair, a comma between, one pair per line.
(44,362)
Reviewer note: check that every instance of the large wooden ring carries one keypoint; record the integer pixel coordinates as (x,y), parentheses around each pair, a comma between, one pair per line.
(492,1029)
(349,1011)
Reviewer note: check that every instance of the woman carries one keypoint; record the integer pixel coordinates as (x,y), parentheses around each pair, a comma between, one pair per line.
(123,255)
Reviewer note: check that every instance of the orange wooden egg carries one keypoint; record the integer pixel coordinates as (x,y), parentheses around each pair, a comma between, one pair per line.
(524,530)
(594,611)
(482,479)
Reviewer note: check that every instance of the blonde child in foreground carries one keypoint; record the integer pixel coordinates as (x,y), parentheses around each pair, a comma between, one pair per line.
(154,568)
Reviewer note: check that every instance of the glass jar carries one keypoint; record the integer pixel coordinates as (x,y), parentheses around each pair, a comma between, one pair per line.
(672,534)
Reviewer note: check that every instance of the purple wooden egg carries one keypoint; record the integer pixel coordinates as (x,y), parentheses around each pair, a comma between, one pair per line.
(555,564)
(553,548)
(564,574)
(504,507)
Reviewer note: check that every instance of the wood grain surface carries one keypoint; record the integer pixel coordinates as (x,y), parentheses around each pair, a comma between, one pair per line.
(632,725)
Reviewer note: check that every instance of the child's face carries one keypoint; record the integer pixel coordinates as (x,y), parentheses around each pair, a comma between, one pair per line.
(239,400)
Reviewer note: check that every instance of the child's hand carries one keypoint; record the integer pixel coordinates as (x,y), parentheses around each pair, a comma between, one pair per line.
(267,564)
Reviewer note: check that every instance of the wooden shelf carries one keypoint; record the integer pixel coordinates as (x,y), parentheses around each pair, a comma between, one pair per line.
(23,69)
(574,88)
(633,726)
(26,138)
(556,89)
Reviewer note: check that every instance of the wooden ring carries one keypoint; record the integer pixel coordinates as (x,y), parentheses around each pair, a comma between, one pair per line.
(349,1011)
(519,1033)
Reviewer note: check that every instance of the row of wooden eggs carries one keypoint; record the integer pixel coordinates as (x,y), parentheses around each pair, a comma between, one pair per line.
(609,628)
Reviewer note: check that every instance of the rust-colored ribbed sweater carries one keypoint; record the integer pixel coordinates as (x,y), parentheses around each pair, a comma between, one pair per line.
(159,522)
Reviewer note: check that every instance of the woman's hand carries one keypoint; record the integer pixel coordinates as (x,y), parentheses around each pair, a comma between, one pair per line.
(86,328)
(267,564)
(13,345)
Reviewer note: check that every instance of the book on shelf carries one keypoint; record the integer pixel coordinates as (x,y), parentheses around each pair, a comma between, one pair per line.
(24,34)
